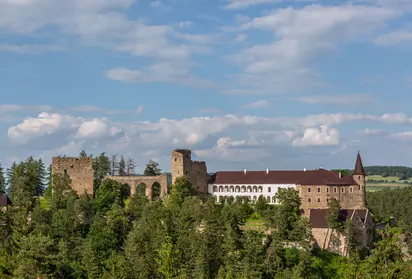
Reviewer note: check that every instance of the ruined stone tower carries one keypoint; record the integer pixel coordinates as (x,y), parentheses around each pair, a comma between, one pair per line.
(195,171)
(359,176)
(80,171)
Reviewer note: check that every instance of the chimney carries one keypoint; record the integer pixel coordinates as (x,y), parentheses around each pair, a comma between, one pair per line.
(267,171)
(304,169)
(244,171)
(340,175)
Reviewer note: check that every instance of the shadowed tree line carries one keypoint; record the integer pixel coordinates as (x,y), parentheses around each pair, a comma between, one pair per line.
(113,235)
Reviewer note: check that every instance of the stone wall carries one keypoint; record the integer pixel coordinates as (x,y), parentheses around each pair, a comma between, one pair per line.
(195,171)
(318,196)
(80,171)
(133,181)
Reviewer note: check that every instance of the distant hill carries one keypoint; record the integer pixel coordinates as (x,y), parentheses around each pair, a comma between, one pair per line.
(402,172)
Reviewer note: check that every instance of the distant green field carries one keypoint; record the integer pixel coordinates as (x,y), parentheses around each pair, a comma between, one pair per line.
(388,178)
(387,182)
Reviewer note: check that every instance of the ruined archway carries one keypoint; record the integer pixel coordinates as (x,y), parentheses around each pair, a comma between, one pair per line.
(155,186)
(156,190)
(141,189)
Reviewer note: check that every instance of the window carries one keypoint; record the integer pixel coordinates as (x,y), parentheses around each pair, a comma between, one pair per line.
(309,189)
(327,200)
(359,177)
(358,187)
(269,189)
(175,159)
(65,171)
(318,199)
(198,172)
(327,190)
(350,189)
(335,189)
(342,190)
(318,189)
(309,200)
(186,172)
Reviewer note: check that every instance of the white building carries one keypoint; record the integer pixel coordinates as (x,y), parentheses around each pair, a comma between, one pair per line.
(250,184)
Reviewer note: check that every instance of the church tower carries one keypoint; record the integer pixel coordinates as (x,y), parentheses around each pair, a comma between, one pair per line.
(359,176)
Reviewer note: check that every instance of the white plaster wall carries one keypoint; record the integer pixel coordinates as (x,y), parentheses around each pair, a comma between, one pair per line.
(267,190)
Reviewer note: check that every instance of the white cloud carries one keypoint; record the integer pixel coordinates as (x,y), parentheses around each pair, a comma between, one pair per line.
(300,36)
(186,24)
(242,4)
(30,49)
(139,109)
(241,37)
(368,131)
(394,38)
(96,129)
(403,136)
(257,104)
(337,99)
(318,137)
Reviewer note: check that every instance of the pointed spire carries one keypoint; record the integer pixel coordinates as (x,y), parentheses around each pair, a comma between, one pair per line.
(359,170)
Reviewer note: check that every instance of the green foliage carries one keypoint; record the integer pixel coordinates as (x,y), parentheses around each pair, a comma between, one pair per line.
(152,169)
(334,217)
(2,181)
(112,235)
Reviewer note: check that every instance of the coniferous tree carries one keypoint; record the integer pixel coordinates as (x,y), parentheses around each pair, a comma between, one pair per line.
(152,169)
(114,166)
(122,166)
(2,181)
(130,167)
(83,154)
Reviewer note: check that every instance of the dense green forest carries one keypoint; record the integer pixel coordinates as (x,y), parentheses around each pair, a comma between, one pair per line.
(401,172)
(113,235)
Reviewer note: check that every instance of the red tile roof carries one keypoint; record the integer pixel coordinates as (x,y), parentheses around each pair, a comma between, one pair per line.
(309,177)
(317,217)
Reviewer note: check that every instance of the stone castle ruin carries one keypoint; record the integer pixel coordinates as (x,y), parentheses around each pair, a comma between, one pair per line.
(81,173)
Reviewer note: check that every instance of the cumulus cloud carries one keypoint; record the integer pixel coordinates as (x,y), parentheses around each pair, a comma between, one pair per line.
(257,104)
(318,137)
(30,49)
(337,99)
(368,131)
(242,4)
(300,36)
(394,38)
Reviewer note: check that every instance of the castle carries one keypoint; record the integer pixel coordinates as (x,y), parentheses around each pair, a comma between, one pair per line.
(316,188)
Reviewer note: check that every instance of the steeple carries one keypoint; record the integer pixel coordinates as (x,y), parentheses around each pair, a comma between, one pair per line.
(359,170)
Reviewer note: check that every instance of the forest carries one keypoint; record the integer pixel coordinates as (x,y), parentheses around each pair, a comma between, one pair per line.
(57,234)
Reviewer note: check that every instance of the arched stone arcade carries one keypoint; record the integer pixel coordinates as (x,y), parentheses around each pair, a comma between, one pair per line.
(151,186)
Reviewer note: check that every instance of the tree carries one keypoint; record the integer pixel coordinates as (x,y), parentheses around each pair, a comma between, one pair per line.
(334,217)
(152,169)
(2,181)
(122,166)
(114,165)
(261,205)
(130,167)
(180,190)
(167,259)
(83,154)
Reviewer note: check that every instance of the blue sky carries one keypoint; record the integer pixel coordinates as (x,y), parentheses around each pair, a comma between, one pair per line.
(259,84)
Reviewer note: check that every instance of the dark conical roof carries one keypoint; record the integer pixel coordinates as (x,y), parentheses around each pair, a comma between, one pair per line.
(359,170)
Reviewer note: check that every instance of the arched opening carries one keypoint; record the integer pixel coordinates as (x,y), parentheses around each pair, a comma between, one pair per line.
(226,189)
(260,189)
(156,190)
(125,191)
(268,199)
(237,189)
(249,189)
(220,188)
(254,189)
(141,189)
(274,199)
(243,189)
(232,189)
(214,188)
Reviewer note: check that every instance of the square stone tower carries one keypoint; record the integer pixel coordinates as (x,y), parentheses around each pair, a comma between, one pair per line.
(80,171)
(195,171)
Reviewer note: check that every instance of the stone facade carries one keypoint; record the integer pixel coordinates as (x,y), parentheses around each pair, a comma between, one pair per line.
(195,171)
(80,171)
(334,241)
(134,181)
(318,196)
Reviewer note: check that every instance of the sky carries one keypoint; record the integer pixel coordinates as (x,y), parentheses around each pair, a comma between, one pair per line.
(244,84)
